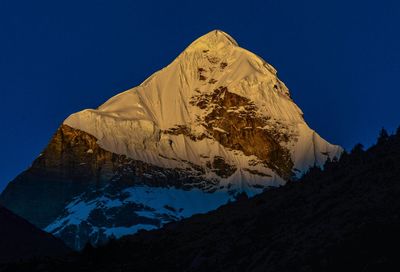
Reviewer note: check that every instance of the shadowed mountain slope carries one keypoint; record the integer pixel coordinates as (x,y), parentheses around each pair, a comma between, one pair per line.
(343,218)
(21,240)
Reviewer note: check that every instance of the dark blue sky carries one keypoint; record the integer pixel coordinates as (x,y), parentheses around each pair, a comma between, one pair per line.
(340,59)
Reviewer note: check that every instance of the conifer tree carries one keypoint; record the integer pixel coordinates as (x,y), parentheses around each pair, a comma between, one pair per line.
(383,136)
(357,149)
(398,132)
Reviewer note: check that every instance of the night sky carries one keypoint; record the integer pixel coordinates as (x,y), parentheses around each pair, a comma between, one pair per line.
(340,60)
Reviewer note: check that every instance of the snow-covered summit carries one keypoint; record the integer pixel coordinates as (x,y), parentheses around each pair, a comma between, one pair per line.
(215,39)
(171,119)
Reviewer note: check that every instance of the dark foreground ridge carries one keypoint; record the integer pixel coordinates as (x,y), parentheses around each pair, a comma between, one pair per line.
(343,218)
(20,240)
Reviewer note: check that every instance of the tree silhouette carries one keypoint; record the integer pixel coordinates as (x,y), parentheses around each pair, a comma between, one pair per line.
(358,149)
(328,163)
(398,132)
(383,136)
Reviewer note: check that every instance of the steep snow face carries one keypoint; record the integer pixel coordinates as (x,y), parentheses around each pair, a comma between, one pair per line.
(132,123)
(166,121)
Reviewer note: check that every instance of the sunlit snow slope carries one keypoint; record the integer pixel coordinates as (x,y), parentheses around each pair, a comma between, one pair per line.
(134,122)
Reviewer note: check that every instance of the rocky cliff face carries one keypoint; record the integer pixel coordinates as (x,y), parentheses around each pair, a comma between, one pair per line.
(71,162)
(233,121)
(215,122)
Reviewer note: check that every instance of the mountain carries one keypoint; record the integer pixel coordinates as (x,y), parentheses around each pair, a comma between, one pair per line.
(215,122)
(342,218)
(20,240)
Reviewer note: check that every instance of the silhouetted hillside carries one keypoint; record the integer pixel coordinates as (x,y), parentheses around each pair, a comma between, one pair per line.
(20,240)
(343,218)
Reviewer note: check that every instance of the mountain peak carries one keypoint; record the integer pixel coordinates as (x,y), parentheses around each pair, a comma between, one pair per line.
(215,122)
(215,39)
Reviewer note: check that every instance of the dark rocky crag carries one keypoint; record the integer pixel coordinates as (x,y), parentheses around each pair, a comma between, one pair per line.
(70,164)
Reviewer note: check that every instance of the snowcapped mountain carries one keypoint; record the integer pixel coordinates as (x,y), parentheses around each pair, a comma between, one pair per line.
(215,122)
